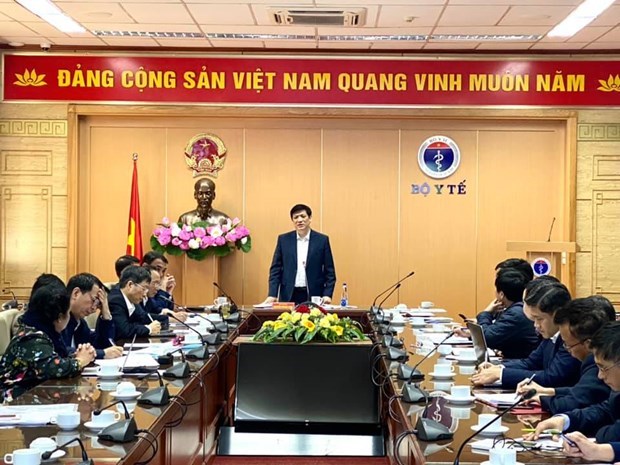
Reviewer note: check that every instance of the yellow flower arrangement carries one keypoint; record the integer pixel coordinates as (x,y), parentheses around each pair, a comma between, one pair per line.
(312,326)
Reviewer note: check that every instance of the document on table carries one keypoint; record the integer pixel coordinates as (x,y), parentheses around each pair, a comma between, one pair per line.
(134,360)
(32,415)
(498,400)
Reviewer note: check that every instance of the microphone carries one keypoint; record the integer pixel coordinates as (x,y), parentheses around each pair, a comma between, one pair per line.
(527,396)
(220,327)
(179,370)
(233,305)
(412,393)
(11,303)
(201,352)
(157,396)
(85,460)
(120,431)
(372,307)
(431,430)
(383,319)
(551,229)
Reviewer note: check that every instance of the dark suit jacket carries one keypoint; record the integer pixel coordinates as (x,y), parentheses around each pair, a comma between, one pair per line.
(553,365)
(601,421)
(589,390)
(320,269)
(82,334)
(128,326)
(511,332)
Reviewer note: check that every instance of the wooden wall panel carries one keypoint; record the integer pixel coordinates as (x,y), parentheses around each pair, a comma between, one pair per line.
(438,232)
(605,246)
(360,207)
(282,168)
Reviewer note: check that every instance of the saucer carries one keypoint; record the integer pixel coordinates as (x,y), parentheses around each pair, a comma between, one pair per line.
(93,427)
(134,395)
(491,432)
(68,428)
(55,456)
(118,374)
(460,400)
(442,375)
(461,359)
(488,462)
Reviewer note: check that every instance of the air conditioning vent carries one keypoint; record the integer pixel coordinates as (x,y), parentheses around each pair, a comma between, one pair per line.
(351,17)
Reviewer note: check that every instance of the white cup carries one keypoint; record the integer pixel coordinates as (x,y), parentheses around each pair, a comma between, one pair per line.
(443,369)
(469,353)
(467,369)
(460,392)
(67,420)
(43,444)
(502,456)
(460,413)
(444,349)
(125,388)
(317,299)
(130,404)
(219,301)
(485,418)
(105,418)
(426,304)
(24,457)
(442,386)
(108,370)
(443,361)
(418,321)
(107,385)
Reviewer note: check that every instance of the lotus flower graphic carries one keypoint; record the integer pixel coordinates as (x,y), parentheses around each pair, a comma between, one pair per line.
(30,78)
(612,84)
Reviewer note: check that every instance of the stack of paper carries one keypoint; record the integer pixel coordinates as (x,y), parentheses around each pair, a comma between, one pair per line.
(498,400)
(32,415)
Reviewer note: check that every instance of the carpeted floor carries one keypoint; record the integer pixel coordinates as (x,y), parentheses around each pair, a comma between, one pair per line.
(240,460)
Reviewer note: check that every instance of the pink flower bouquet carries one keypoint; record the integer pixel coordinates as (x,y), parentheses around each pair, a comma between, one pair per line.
(200,240)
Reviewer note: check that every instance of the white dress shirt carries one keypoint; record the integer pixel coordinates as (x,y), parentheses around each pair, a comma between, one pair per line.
(130,307)
(302,257)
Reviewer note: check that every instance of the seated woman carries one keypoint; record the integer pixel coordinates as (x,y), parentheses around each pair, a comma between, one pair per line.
(37,352)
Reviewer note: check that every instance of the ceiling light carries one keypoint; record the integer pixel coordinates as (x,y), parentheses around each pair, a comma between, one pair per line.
(16,44)
(583,15)
(50,13)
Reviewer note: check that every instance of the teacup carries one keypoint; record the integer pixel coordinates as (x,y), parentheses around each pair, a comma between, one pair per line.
(460,392)
(442,386)
(219,301)
(107,385)
(105,418)
(23,457)
(125,388)
(130,404)
(418,321)
(444,361)
(66,420)
(460,413)
(443,369)
(43,444)
(444,349)
(485,418)
(469,353)
(426,304)
(317,299)
(108,370)
(502,456)
(467,369)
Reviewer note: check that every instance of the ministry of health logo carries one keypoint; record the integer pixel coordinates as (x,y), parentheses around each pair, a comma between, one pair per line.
(439,157)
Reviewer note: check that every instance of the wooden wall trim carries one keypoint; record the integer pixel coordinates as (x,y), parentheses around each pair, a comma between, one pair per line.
(72,189)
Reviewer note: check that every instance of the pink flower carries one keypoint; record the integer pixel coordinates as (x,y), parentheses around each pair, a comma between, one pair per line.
(185,235)
(242,231)
(200,232)
(220,240)
(164,239)
(184,246)
(231,236)
(214,231)
(207,241)
(166,221)
(176,241)
(236,221)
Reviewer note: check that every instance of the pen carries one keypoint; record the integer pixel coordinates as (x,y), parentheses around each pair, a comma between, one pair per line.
(530,379)
(150,317)
(547,431)
(111,341)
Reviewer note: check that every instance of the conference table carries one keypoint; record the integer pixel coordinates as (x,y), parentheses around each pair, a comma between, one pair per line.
(186,430)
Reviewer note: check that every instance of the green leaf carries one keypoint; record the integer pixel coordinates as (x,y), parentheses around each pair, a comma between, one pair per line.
(174,250)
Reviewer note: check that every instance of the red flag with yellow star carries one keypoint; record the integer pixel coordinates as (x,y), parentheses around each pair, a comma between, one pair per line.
(134,229)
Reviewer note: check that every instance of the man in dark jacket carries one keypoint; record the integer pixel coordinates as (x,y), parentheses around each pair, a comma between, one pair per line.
(578,321)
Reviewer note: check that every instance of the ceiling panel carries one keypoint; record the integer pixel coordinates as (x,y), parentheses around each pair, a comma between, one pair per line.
(100,12)
(142,27)
(504,45)
(541,3)
(558,46)
(471,45)
(535,15)
(184,43)
(222,14)
(159,13)
(458,15)
(291,44)
(78,41)
(238,43)
(610,17)
(15,29)
(345,45)
(503,30)
(384,45)
(407,16)
(128,41)
(17,12)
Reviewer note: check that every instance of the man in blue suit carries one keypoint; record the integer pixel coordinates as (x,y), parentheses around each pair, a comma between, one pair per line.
(302,265)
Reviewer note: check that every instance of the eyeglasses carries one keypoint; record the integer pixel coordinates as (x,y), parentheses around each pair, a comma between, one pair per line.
(144,288)
(573,345)
(606,369)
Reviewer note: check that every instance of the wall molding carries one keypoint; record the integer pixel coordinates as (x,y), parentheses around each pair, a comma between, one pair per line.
(598,132)
(33,127)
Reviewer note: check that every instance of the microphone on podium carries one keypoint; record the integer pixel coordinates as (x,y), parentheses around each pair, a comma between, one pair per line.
(527,396)
(201,352)
(119,431)
(85,460)
(551,230)
(11,303)
(157,396)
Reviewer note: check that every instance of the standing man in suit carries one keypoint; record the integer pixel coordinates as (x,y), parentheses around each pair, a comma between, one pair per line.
(302,265)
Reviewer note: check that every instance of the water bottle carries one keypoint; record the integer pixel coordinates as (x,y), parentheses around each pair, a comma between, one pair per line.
(344,298)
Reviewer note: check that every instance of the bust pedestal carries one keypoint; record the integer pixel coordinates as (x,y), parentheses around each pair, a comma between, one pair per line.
(195,280)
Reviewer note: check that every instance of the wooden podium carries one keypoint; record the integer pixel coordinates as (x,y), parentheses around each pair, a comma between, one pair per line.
(562,264)
(195,280)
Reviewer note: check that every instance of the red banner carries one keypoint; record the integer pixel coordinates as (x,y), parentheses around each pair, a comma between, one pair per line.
(311,81)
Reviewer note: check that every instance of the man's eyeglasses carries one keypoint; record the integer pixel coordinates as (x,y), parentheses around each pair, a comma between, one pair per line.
(573,345)
(144,288)
(606,369)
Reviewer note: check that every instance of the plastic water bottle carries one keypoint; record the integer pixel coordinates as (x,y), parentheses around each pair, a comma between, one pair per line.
(344,298)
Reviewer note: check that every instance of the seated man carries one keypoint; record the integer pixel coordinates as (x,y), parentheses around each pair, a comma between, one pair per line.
(163,298)
(551,362)
(120,264)
(151,306)
(87,295)
(601,421)
(506,328)
(130,319)
(578,321)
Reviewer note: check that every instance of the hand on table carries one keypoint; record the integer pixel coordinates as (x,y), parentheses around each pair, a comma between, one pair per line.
(487,375)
